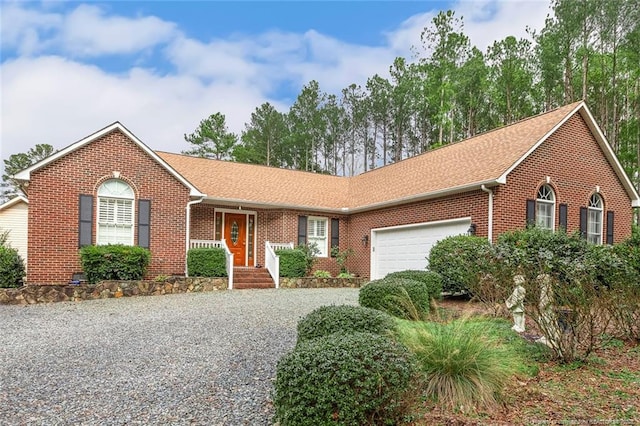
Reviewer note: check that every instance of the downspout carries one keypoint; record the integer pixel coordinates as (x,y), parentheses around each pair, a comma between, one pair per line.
(489,214)
(188,233)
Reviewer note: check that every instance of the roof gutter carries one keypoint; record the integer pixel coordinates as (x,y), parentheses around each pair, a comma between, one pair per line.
(188,232)
(489,213)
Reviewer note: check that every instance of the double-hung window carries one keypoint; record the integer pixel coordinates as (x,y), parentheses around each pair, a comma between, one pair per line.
(317,233)
(115,213)
(594,219)
(545,208)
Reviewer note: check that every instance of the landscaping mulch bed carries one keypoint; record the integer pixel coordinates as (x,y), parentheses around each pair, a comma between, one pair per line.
(603,390)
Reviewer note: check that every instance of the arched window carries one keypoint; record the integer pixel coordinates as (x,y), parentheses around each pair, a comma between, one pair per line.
(115,213)
(545,208)
(594,219)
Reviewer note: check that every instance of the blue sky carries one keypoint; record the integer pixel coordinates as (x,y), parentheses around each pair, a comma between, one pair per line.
(159,67)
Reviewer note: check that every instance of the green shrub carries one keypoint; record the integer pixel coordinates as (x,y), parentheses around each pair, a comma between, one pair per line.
(311,252)
(342,379)
(207,262)
(399,297)
(345,275)
(293,263)
(12,269)
(463,362)
(629,251)
(321,274)
(456,260)
(114,262)
(433,280)
(327,320)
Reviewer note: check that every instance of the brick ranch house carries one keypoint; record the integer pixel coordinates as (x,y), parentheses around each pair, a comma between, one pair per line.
(556,169)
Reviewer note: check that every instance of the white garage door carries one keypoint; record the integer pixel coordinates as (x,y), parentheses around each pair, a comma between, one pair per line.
(407,247)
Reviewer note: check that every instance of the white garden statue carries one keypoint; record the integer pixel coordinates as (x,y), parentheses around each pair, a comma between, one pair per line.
(515,303)
(548,320)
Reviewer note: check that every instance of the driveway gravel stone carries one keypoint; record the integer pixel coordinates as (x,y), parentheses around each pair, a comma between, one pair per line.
(197,358)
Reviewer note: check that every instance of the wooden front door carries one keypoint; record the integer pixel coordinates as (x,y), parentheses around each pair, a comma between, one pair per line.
(235,233)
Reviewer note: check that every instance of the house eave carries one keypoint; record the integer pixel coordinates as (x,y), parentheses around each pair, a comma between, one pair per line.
(14,201)
(476,186)
(249,204)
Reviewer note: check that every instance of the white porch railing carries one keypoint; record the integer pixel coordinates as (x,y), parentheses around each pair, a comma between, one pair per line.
(272,261)
(217,244)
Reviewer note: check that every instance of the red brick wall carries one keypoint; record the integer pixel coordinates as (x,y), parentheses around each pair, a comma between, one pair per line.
(575,164)
(472,204)
(53,207)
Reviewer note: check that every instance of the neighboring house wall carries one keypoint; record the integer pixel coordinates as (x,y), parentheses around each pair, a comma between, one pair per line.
(575,165)
(54,202)
(470,204)
(15,220)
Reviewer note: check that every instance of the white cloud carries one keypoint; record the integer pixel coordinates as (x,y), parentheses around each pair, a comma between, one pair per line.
(88,31)
(56,101)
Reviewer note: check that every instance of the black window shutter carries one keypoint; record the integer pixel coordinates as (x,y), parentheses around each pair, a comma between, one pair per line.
(144,223)
(583,222)
(335,234)
(85,227)
(563,216)
(302,230)
(531,212)
(610,227)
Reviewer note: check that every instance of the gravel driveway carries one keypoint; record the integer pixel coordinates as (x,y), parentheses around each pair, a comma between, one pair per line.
(199,358)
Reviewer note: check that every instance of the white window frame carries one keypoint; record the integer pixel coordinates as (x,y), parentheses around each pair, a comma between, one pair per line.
(545,201)
(594,219)
(120,228)
(314,236)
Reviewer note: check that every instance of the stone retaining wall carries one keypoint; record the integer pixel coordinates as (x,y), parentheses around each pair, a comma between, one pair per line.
(31,294)
(106,289)
(313,282)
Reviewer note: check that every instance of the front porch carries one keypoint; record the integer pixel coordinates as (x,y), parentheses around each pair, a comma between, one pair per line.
(241,275)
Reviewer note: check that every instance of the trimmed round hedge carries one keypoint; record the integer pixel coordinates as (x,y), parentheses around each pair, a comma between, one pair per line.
(402,298)
(433,280)
(458,261)
(327,320)
(346,379)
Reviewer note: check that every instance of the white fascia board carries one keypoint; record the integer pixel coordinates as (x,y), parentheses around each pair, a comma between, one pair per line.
(503,178)
(25,175)
(347,210)
(14,201)
(611,156)
(428,195)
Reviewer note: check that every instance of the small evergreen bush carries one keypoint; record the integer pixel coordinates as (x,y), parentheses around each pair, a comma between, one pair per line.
(399,297)
(327,320)
(293,263)
(456,260)
(321,274)
(207,262)
(342,379)
(114,262)
(433,280)
(12,269)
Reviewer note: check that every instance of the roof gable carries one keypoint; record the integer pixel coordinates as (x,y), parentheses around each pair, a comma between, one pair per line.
(12,202)
(25,175)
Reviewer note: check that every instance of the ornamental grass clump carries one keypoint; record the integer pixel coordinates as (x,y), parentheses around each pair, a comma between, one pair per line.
(327,320)
(463,364)
(343,379)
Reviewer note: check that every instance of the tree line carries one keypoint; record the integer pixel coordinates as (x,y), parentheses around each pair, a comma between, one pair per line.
(450,90)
